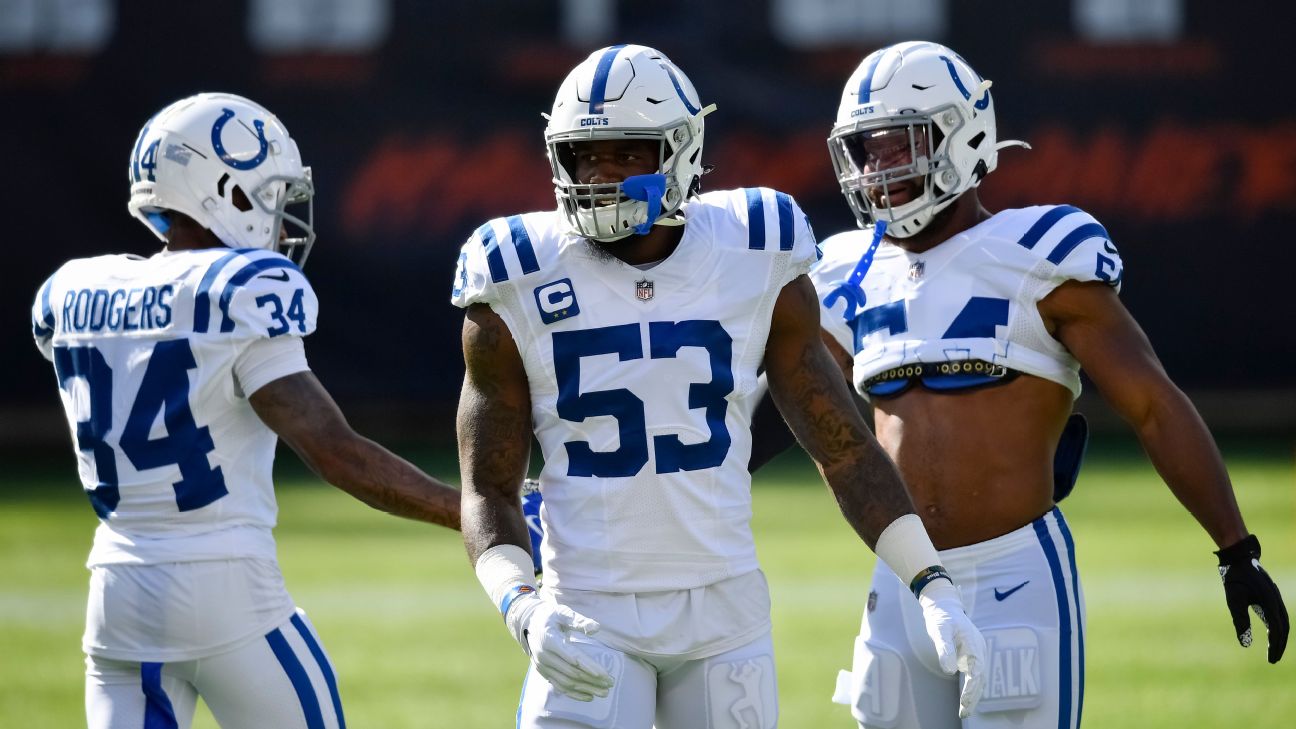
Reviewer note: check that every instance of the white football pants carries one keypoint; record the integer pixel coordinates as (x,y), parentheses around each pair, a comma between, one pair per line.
(283,680)
(1022,591)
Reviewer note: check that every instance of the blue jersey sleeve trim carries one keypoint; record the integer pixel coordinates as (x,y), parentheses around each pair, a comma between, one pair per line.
(786,237)
(1075,238)
(1044,224)
(240,279)
(755,219)
(522,244)
(202,299)
(494,256)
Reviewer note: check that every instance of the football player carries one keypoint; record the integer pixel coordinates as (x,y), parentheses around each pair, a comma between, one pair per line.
(967,330)
(626,329)
(177,373)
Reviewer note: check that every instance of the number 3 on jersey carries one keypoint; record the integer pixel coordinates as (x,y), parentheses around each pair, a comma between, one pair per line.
(665,339)
(164,389)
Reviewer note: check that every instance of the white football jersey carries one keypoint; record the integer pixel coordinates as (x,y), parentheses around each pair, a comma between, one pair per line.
(642,383)
(147,352)
(972,297)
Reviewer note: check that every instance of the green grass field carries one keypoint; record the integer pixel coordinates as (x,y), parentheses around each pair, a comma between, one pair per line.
(417,644)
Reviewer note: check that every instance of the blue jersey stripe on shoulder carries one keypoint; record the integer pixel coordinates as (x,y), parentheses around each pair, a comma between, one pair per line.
(786,237)
(755,219)
(238,280)
(202,299)
(1075,238)
(1042,226)
(494,257)
(522,243)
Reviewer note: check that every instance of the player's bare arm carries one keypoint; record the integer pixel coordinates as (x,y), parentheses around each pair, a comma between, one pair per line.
(807,386)
(300,410)
(1097,329)
(494,430)
(1101,334)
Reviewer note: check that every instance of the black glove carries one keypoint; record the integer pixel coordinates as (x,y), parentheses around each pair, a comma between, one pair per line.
(1246,584)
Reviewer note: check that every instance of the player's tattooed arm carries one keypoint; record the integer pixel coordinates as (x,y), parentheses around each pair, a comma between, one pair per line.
(809,390)
(770,433)
(302,413)
(494,430)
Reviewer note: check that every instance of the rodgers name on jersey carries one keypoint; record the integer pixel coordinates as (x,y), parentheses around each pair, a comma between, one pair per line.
(971,299)
(147,353)
(642,383)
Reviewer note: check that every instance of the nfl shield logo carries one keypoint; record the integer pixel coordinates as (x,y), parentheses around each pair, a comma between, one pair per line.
(916,270)
(643,289)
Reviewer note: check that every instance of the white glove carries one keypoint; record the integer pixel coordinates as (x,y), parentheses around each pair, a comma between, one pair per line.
(959,645)
(542,628)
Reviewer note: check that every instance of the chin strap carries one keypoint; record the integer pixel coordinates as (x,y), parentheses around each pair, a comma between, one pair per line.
(1005,144)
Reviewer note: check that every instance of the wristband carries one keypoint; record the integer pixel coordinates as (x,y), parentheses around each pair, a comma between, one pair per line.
(512,595)
(927,576)
(905,547)
(502,571)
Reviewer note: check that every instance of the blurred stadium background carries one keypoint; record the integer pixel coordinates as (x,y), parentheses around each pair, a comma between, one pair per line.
(1172,121)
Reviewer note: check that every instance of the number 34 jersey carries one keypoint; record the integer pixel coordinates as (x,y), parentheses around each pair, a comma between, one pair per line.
(973,297)
(148,354)
(642,383)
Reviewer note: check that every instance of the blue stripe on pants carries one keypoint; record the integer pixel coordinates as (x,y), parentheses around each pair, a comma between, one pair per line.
(1064,622)
(325,667)
(1075,590)
(300,681)
(158,713)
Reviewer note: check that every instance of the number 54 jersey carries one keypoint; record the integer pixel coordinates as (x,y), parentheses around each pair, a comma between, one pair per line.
(642,383)
(971,300)
(153,357)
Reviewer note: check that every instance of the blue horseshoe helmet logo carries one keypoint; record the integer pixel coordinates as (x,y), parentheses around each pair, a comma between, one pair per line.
(226,115)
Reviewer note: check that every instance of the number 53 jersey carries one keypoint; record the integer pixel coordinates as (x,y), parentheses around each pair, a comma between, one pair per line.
(971,299)
(642,383)
(153,357)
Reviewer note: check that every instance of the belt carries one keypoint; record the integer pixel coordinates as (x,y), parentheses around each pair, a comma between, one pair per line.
(976,368)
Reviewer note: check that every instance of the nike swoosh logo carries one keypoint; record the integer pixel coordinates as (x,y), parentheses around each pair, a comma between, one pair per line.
(1001,596)
(922,88)
(281,276)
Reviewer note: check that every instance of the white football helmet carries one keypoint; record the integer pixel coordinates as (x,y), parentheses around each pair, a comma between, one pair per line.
(229,164)
(627,92)
(926,96)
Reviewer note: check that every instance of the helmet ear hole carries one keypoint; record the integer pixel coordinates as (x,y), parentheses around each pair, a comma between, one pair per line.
(975,142)
(240,199)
